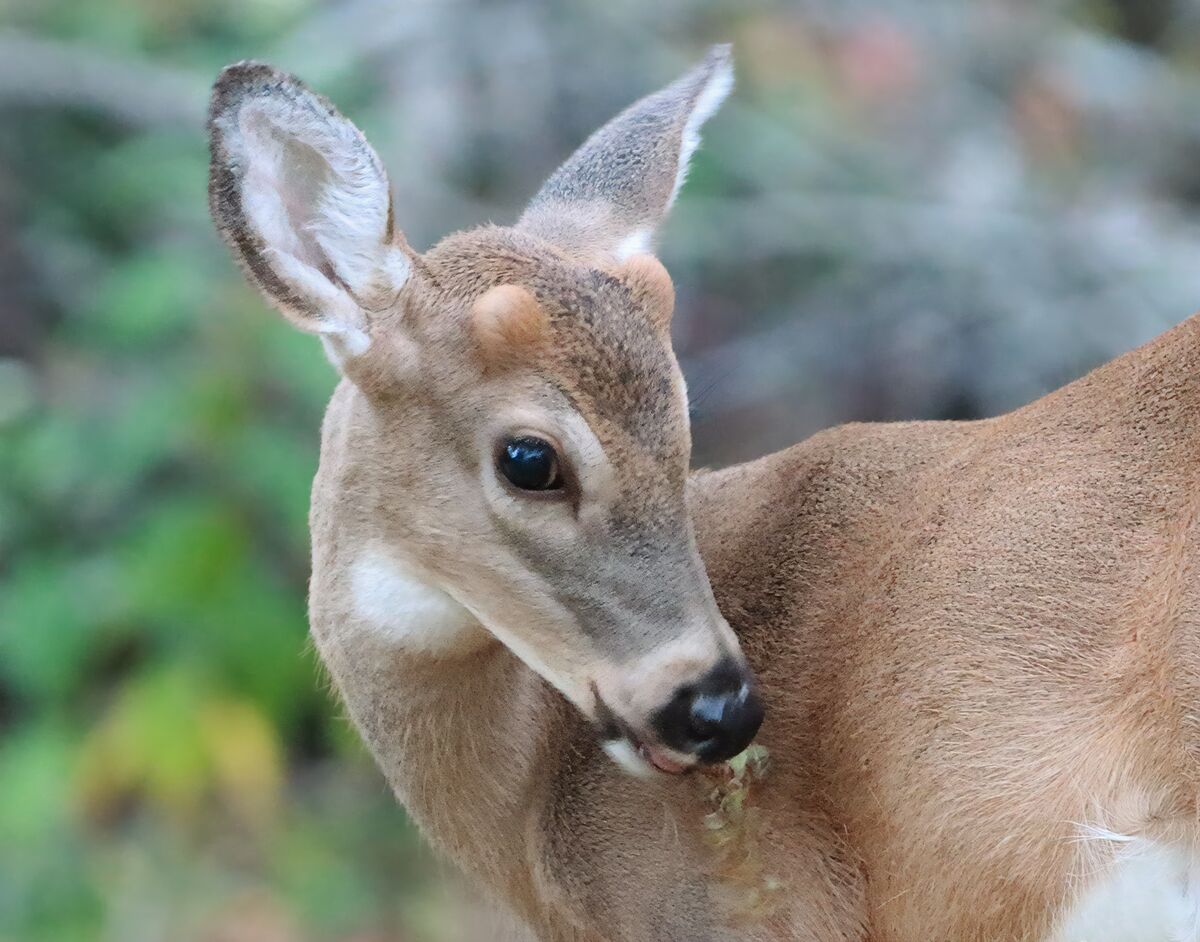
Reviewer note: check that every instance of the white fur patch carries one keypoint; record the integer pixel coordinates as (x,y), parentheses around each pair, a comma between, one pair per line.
(1149,893)
(715,91)
(622,752)
(340,346)
(392,599)
(636,243)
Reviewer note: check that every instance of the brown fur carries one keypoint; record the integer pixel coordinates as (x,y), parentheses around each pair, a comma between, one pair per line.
(510,325)
(651,286)
(972,637)
(981,635)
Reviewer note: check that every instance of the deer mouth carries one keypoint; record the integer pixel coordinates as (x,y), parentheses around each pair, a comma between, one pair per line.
(639,755)
(662,759)
(643,759)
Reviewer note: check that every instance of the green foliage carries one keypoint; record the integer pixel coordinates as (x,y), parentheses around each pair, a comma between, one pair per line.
(168,753)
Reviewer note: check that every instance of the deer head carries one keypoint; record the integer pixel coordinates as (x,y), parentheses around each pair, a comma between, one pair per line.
(518,445)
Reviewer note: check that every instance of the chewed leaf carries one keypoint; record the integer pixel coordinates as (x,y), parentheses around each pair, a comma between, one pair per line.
(738,763)
(757,760)
(751,763)
(735,829)
(731,804)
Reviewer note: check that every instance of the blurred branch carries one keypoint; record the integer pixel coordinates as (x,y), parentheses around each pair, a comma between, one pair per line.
(885,228)
(364,28)
(42,72)
(47,72)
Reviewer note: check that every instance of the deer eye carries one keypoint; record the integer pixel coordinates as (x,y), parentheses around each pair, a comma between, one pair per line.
(530,464)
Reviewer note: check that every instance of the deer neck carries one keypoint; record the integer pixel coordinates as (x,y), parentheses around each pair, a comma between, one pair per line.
(459,726)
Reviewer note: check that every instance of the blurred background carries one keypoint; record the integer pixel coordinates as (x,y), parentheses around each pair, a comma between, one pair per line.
(923,209)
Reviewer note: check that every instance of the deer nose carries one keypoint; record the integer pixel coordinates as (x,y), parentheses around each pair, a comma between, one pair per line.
(713,719)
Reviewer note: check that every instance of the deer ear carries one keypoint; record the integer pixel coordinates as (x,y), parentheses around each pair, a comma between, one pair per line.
(303,201)
(607,200)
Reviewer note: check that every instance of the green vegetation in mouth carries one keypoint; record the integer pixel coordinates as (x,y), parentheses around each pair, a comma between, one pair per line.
(736,831)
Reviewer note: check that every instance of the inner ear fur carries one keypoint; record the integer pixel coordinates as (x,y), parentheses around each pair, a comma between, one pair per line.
(303,200)
(651,286)
(509,324)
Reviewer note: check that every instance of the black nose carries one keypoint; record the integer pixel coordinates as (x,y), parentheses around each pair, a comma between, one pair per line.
(714,719)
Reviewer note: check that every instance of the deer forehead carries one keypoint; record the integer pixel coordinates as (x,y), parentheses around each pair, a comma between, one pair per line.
(597,336)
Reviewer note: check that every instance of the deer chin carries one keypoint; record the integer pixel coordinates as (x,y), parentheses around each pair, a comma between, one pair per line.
(638,755)
(644,760)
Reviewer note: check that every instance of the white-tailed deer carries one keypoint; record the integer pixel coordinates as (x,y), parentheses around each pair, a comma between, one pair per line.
(978,643)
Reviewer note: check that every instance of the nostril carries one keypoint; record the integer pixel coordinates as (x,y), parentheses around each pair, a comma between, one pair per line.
(711,713)
(725,724)
(715,719)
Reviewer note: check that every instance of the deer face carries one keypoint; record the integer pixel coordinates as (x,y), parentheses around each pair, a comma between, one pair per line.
(518,439)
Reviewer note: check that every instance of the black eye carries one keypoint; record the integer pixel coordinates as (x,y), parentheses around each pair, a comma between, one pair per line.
(530,464)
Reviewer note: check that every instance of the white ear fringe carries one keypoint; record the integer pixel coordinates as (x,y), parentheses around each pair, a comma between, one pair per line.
(715,91)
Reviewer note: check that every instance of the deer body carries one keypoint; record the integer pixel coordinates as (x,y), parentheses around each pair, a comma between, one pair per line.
(980,640)
(977,643)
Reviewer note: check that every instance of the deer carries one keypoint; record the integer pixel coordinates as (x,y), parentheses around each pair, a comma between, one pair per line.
(970,649)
